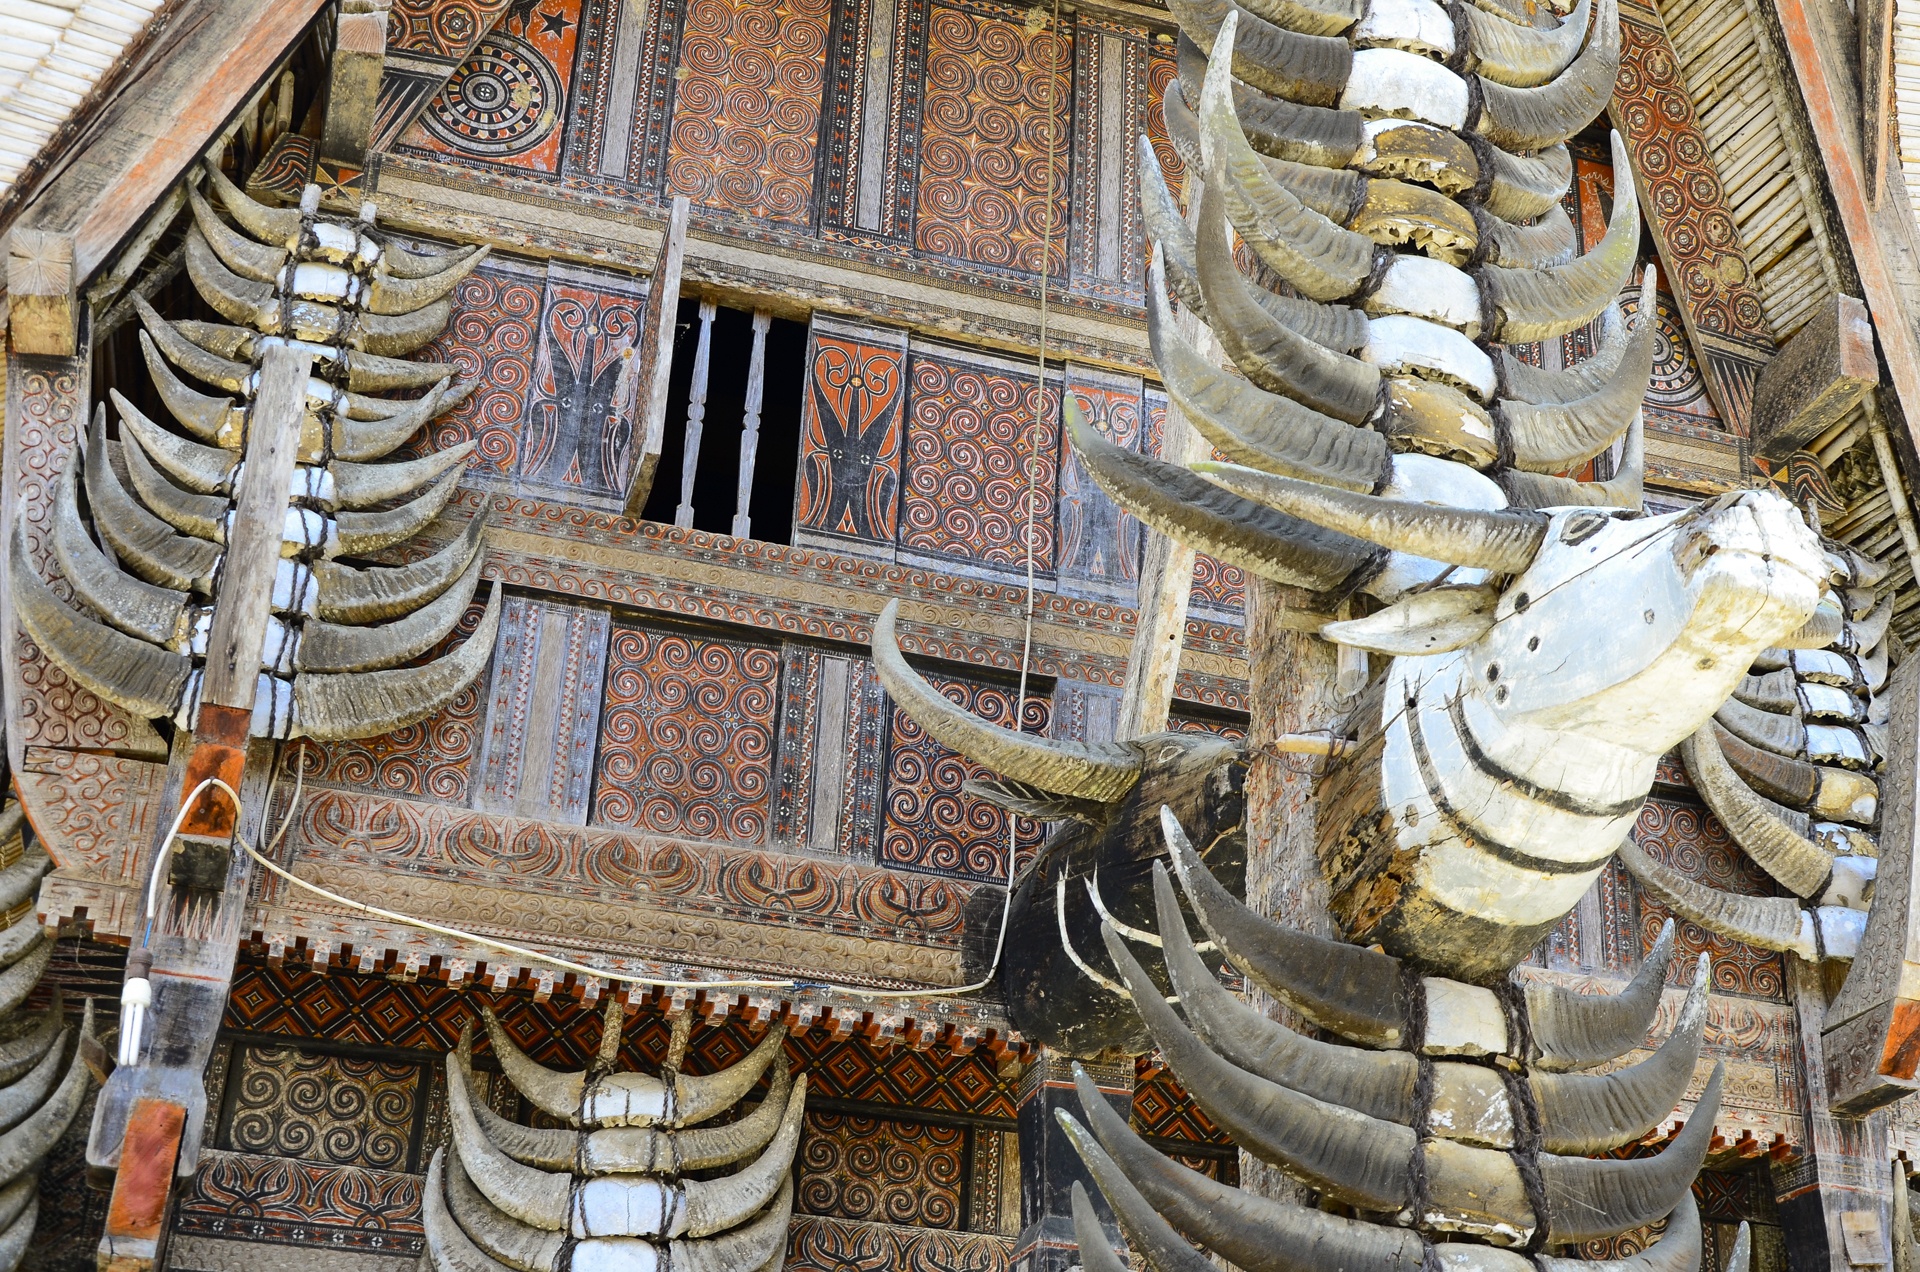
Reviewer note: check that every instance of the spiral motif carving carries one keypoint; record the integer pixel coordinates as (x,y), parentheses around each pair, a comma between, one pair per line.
(1692,841)
(880,1171)
(971,442)
(323,1108)
(490,338)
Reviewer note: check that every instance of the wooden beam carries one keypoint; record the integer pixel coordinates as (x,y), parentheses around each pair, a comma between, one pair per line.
(1875,21)
(40,291)
(137,1211)
(359,56)
(216,52)
(1817,377)
(654,362)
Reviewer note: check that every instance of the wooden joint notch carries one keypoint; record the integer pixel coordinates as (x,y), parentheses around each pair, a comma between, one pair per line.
(41,288)
(1815,379)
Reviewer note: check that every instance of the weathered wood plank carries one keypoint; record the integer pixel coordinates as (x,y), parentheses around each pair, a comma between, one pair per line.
(359,57)
(40,291)
(655,360)
(1816,378)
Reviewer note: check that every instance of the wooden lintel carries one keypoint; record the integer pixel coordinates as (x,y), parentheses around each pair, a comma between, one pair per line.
(1817,377)
(40,291)
(653,364)
(353,89)
(216,53)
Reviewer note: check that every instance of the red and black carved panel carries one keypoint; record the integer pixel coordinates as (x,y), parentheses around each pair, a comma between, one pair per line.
(746,108)
(250,1197)
(817,1243)
(930,823)
(1162,70)
(994,87)
(982,452)
(578,434)
(334,1109)
(440,28)
(431,760)
(686,741)
(877,1170)
(1162,1108)
(852,426)
(490,338)
(1687,838)
(507,102)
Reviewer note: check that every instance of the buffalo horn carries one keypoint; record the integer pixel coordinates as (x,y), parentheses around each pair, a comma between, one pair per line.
(1096,772)
(340,647)
(201,414)
(1577,1031)
(1377,1083)
(363,485)
(19,979)
(1263,430)
(493,1233)
(1625,489)
(1821,629)
(1300,68)
(1538,304)
(1556,437)
(19,1233)
(242,255)
(204,469)
(364,704)
(1351,1158)
(24,1096)
(549,1148)
(620,1150)
(17,883)
(269,225)
(1588,1199)
(1782,777)
(1596,1113)
(1271,354)
(715,1205)
(1798,864)
(20,1053)
(1522,187)
(758,1246)
(155,614)
(1095,1254)
(124,670)
(1160,1247)
(696,1099)
(238,300)
(1355,992)
(350,595)
(1500,540)
(527,1193)
(1524,120)
(555,1092)
(1275,126)
(23,1147)
(1432,621)
(360,440)
(1194,511)
(1768,923)
(17,942)
(392,293)
(208,368)
(1583,379)
(1676,1250)
(1145,1187)
(1321,260)
(1524,56)
(200,516)
(364,532)
(1547,242)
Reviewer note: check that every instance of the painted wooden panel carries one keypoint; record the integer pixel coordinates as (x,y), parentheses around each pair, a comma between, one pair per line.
(508,101)
(1100,544)
(543,712)
(577,433)
(491,337)
(853,422)
(878,1170)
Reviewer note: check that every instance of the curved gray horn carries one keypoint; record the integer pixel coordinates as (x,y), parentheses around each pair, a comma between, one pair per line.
(622,1150)
(549,1148)
(1524,383)
(239,300)
(1741,1258)
(1547,242)
(1194,511)
(392,293)
(337,647)
(1323,17)
(1821,629)
(1249,1230)
(493,1233)
(269,225)
(1321,260)
(1538,304)
(1577,1031)
(138,608)
(1095,1254)
(1676,1250)
(1103,772)
(1275,126)
(21,1053)
(1792,781)
(696,1099)
(1865,571)
(1796,863)
(1501,540)
(760,1245)
(19,979)
(377,593)
(19,1233)
(1272,355)
(126,671)
(1301,68)
(1597,1113)
(400,335)
(1263,430)
(715,1205)
(16,943)
(1353,1159)
(527,1193)
(1160,1247)
(1625,489)
(555,1092)
(244,256)
(1377,1083)
(23,1147)
(205,469)
(208,368)
(19,881)
(201,516)
(372,373)
(1355,992)
(23,1097)
(1553,438)
(1528,119)
(1784,735)
(1522,187)
(144,543)
(364,532)
(202,414)
(1768,923)
(1524,56)
(1588,1198)
(364,704)
(363,485)
(361,440)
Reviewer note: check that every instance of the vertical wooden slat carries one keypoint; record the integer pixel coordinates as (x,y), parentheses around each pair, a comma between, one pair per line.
(750,424)
(696,416)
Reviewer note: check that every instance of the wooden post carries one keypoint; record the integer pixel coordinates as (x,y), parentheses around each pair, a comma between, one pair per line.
(40,291)
(656,358)
(359,56)
(750,424)
(696,417)
(1874,19)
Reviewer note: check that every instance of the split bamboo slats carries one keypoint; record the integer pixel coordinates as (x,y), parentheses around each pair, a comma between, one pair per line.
(53,54)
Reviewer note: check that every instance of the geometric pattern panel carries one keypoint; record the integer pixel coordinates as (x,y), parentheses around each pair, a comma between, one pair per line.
(543,711)
(441,28)
(1162,70)
(686,742)
(984,138)
(933,1080)
(850,436)
(1688,838)
(746,107)
(337,1110)
(249,1197)
(978,438)
(881,1171)
(1162,1108)
(931,825)
(506,103)
(817,1243)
